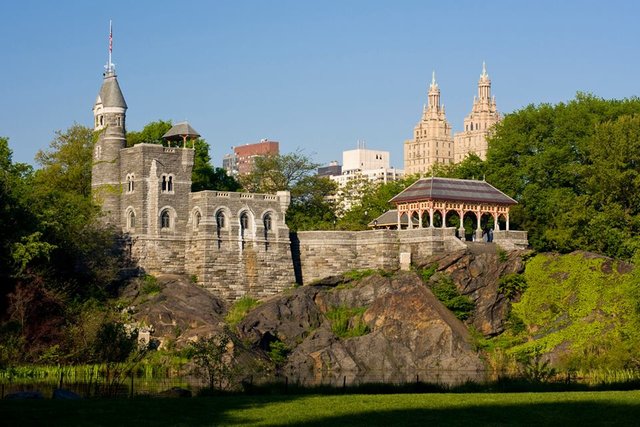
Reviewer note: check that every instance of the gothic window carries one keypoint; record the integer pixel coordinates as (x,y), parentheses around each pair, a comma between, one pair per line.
(267,223)
(220,221)
(244,223)
(167,183)
(165,219)
(196,220)
(130,183)
(131,220)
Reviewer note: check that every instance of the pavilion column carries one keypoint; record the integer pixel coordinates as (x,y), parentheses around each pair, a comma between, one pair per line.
(444,218)
(431,218)
(399,217)
(461,228)
(478,230)
(507,218)
(420,213)
(496,226)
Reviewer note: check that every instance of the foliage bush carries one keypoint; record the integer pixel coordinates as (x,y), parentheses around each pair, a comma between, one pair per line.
(427,272)
(278,352)
(240,308)
(150,285)
(461,305)
(355,275)
(511,285)
(347,322)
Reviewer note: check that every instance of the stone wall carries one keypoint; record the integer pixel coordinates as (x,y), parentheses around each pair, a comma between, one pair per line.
(326,253)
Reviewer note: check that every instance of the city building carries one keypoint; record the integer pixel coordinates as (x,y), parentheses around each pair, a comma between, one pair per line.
(433,142)
(478,124)
(243,158)
(332,169)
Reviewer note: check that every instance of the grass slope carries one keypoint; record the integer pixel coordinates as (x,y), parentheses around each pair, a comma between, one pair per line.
(569,408)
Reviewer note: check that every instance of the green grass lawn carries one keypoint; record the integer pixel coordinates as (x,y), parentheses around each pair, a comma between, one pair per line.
(615,408)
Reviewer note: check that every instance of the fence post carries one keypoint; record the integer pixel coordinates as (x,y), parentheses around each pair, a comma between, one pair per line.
(61,377)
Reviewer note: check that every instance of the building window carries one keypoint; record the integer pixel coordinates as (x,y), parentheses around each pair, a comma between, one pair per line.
(131,220)
(220,221)
(267,223)
(130,182)
(244,223)
(167,183)
(196,220)
(165,219)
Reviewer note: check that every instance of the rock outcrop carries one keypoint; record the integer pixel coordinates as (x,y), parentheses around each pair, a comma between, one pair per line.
(408,328)
(476,273)
(179,311)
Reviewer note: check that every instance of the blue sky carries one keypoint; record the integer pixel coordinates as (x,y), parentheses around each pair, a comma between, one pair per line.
(314,75)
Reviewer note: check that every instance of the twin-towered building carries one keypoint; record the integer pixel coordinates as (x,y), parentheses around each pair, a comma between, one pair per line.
(433,141)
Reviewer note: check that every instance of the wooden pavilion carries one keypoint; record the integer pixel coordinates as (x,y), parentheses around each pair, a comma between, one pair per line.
(428,198)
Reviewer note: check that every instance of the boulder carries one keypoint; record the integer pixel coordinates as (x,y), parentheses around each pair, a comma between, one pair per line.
(409,329)
(181,311)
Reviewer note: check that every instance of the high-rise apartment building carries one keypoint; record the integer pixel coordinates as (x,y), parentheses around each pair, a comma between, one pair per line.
(433,142)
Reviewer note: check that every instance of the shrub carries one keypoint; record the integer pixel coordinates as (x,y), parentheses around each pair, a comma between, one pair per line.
(150,285)
(278,352)
(347,322)
(503,255)
(427,273)
(461,305)
(359,274)
(240,308)
(512,285)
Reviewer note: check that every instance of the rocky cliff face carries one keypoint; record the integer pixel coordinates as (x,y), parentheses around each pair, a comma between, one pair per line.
(407,328)
(476,273)
(403,326)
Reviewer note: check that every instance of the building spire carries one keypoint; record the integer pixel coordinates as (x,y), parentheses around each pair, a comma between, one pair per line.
(433,79)
(484,70)
(110,66)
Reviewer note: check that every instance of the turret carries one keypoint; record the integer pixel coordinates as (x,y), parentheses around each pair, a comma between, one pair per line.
(109,112)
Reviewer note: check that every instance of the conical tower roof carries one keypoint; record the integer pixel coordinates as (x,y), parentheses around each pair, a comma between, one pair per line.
(110,94)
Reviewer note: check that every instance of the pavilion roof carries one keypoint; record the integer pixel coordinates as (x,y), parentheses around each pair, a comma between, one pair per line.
(180,130)
(454,190)
(390,218)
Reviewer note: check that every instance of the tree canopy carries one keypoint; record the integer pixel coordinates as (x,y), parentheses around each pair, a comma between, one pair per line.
(574,169)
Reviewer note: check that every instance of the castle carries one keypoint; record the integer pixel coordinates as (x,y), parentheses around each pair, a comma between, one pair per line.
(433,142)
(237,244)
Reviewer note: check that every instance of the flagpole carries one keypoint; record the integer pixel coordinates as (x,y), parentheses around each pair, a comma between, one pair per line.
(110,45)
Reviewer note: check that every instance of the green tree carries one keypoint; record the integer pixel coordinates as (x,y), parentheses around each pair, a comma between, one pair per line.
(312,204)
(558,162)
(278,172)
(151,133)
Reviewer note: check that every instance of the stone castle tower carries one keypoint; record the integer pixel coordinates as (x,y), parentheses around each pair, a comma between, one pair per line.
(478,123)
(109,113)
(432,142)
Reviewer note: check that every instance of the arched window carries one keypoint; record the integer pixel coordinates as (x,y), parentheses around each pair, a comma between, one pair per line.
(267,223)
(244,222)
(131,221)
(220,220)
(165,219)
(196,220)
(130,183)
(167,183)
